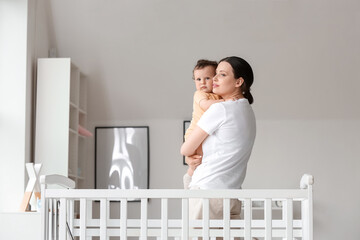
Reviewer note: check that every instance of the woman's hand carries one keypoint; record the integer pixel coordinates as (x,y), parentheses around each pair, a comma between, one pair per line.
(192,143)
(193,161)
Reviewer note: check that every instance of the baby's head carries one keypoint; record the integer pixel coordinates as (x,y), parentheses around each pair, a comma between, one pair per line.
(203,74)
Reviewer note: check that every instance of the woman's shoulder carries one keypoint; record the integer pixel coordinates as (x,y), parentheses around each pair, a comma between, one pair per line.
(238,102)
(236,105)
(219,106)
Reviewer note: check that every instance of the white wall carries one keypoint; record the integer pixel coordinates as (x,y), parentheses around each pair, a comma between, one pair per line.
(13,96)
(138,57)
(28,222)
(22,39)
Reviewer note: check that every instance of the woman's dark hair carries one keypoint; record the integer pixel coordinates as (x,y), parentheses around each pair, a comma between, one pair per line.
(202,63)
(242,68)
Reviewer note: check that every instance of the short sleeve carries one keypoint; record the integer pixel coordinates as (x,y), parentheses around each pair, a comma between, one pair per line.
(199,95)
(213,96)
(213,118)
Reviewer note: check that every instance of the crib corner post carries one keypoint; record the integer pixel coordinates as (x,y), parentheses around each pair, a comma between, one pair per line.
(310,210)
(310,207)
(307,182)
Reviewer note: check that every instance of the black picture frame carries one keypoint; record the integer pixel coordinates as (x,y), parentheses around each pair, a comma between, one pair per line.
(186,125)
(122,156)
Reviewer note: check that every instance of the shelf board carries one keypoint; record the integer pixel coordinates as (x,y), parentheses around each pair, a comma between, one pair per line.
(73,105)
(70,175)
(73,131)
(73,176)
(82,111)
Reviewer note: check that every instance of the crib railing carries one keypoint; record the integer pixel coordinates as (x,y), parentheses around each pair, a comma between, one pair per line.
(67,213)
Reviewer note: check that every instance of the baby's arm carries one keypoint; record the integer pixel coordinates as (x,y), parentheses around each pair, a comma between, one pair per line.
(206,103)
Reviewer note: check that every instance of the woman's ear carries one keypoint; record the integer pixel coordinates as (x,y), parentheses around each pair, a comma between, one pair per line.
(239,82)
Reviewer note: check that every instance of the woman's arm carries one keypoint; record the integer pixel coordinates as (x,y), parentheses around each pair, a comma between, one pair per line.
(193,141)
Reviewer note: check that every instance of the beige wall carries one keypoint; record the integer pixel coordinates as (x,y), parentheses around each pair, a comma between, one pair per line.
(138,57)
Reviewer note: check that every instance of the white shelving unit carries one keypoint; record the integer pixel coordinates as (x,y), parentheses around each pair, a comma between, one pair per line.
(60,109)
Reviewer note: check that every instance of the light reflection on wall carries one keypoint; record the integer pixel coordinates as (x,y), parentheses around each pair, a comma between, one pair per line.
(121,174)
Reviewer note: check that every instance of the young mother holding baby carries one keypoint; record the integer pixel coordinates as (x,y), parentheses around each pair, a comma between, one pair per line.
(227,133)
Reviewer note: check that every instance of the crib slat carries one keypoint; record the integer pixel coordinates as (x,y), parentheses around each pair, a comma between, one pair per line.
(307,217)
(123,227)
(44,214)
(89,205)
(226,213)
(185,218)
(206,218)
(108,205)
(62,219)
(268,219)
(247,218)
(310,213)
(89,208)
(144,219)
(71,216)
(83,216)
(164,218)
(289,218)
(55,217)
(103,218)
(49,225)
(304,218)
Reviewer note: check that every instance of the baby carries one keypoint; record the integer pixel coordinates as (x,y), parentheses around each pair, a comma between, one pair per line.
(203,74)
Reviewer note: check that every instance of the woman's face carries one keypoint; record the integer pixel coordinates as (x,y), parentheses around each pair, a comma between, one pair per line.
(224,83)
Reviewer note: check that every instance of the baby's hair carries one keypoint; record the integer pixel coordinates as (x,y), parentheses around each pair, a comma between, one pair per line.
(202,63)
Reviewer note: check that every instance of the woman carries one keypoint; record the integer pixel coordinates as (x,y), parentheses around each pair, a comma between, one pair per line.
(227,133)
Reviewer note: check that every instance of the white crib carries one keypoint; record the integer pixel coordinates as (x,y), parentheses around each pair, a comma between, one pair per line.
(67,213)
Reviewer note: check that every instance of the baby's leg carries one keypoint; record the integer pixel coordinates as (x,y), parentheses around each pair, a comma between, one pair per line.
(190,171)
(186,180)
(192,168)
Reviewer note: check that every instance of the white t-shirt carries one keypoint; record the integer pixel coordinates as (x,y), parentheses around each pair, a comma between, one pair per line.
(231,127)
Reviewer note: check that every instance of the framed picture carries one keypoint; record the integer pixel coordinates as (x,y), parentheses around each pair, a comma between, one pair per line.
(122,157)
(185,127)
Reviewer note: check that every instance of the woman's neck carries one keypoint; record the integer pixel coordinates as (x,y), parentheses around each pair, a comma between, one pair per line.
(233,96)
